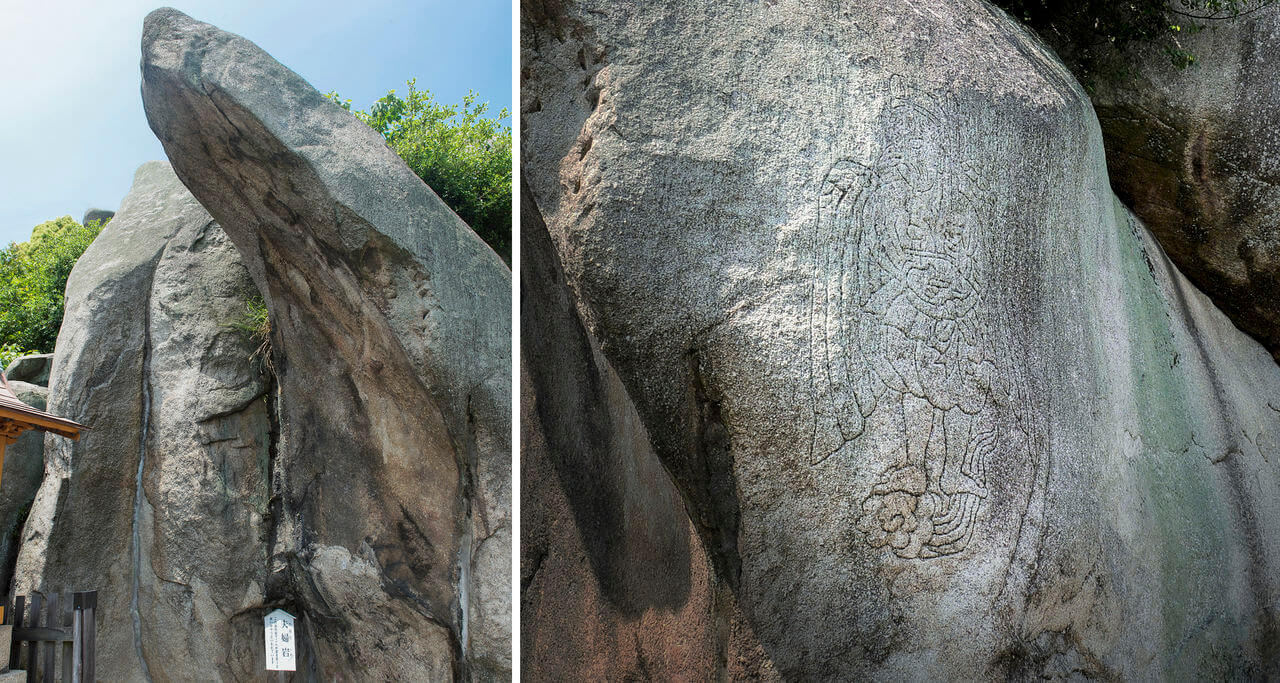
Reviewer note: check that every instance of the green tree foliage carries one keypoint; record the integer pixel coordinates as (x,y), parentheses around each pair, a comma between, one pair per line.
(11,352)
(463,154)
(33,280)
(1087,25)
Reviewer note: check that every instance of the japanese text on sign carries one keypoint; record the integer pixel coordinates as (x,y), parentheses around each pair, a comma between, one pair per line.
(282,646)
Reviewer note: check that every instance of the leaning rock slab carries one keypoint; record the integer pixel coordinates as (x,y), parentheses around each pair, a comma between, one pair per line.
(391,321)
(937,404)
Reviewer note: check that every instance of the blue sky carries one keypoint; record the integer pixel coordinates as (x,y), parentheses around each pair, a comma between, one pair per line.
(73,131)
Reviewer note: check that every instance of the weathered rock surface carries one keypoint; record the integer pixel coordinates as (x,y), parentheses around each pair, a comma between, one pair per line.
(161,506)
(203,519)
(33,369)
(23,471)
(34,395)
(615,585)
(391,323)
(937,405)
(101,215)
(1196,154)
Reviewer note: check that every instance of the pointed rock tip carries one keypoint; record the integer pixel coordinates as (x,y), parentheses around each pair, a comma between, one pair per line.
(149,168)
(166,23)
(161,18)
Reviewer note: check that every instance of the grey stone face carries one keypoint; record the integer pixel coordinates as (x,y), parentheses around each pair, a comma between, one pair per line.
(34,395)
(203,519)
(392,320)
(1196,153)
(34,369)
(937,404)
(161,504)
(599,514)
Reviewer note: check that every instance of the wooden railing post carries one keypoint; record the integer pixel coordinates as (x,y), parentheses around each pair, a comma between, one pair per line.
(50,649)
(77,635)
(33,647)
(85,632)
(19,613)
(66,626)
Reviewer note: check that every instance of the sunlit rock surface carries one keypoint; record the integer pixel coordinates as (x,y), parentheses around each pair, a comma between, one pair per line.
(162,505)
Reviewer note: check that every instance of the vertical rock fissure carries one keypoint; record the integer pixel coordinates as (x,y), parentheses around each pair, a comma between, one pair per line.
(715,460)
(464,581)
(15,542)
(275,484)
(468,532)
(139,494)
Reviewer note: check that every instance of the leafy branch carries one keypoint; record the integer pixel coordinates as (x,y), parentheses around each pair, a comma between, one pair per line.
(1089,24)
(460,150)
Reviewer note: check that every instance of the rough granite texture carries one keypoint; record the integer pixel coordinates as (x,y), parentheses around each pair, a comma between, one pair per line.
(937,404)
(33,368)
(161,506)
(1196,153)
(615,584)
(392,324)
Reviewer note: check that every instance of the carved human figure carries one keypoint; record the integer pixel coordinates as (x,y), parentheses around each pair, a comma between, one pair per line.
(898,328)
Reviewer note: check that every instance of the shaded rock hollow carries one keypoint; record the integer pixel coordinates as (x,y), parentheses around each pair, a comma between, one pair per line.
(1196,154)
(936,403)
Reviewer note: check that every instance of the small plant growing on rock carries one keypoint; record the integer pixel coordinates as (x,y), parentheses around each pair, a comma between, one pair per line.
(255,324)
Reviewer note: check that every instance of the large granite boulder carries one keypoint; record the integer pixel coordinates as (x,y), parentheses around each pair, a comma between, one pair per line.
(33,369)
(615,584)
(391,324)
(162,505)
(937,404)
(1195,154)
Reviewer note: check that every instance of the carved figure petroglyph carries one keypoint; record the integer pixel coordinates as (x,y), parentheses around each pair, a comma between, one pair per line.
(897,327)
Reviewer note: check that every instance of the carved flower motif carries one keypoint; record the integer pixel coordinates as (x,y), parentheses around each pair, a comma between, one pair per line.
(899,520)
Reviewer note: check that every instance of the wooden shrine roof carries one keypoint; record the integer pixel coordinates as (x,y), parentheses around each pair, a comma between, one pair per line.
(13,411)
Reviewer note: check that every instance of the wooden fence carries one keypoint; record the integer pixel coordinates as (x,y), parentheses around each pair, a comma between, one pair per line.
(59,634)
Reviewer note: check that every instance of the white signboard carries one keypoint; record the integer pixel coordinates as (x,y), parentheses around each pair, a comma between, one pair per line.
(282,646)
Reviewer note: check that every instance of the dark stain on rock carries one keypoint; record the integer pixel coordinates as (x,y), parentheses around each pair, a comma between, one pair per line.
(715,456)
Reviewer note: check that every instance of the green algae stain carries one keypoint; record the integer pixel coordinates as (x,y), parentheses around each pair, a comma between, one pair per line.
(1188,519)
